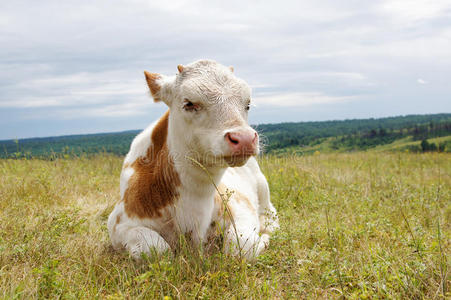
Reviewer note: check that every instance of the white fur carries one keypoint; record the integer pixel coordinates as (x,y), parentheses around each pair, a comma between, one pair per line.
(200,136)
(125,177)
(251,226)
(139,145)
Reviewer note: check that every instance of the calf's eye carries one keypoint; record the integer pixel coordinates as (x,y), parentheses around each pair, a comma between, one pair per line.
(248,106)
(190,106)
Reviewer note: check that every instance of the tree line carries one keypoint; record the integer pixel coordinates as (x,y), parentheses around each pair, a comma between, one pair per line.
(355,134)
(346,135)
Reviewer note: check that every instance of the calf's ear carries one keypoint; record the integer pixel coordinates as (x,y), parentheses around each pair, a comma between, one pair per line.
(160,86)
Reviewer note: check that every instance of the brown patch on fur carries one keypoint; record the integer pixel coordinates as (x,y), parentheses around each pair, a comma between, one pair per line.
(242,198)
(219,202)
(118,220)
(236,195)
(154,87)
(153,185)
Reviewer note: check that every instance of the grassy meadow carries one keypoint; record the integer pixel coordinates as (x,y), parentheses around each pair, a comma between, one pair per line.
(357,225)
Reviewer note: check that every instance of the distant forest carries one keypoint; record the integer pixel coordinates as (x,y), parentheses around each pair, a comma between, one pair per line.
(347,135)
(359,134)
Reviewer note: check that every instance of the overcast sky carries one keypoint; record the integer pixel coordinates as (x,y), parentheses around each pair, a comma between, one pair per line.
(71,67)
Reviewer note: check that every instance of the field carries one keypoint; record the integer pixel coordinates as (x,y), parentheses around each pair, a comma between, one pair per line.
(359,225)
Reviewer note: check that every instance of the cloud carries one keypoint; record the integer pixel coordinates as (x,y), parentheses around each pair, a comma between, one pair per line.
(110,111)
(415,10)
(74,90)
(299,99)
(85,60)
(421,81)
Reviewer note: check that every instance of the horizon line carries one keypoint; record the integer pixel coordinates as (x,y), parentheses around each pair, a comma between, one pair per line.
(253,125)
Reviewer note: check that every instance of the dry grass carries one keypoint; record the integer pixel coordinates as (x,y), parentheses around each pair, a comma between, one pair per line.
(356,225)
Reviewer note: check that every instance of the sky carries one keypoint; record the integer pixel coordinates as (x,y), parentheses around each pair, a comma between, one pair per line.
(73,67)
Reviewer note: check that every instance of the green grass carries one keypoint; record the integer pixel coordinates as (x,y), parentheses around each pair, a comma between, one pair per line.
(325,145)
(406,143)
(360,225)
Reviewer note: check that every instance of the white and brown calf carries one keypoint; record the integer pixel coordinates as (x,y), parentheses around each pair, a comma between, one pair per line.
(164,190)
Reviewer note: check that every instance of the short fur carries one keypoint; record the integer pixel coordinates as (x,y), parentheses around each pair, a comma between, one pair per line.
(164,191)
(154,183)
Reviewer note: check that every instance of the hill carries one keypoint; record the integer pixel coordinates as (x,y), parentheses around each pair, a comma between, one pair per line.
(116,142)
(359,134)
(394,133)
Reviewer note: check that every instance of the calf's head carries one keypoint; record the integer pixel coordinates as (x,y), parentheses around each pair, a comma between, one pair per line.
(208,113)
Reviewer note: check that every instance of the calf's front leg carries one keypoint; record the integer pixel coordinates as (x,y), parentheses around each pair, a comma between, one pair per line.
(136,239)
(242,236)
(142,240)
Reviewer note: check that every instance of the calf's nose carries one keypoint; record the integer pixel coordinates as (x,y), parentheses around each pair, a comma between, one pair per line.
(242,142)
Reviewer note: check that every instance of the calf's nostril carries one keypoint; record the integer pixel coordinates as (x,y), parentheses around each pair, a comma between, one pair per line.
(232,139)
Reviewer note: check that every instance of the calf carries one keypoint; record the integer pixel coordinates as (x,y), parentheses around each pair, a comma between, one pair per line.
(194,169)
